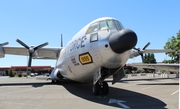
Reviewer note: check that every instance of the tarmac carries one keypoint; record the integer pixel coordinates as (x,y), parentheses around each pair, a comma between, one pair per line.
(137,92)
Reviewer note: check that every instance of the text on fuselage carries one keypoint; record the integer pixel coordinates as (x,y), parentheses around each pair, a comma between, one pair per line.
(76,44)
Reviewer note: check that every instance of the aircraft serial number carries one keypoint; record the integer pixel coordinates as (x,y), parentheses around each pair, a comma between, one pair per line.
(85,58)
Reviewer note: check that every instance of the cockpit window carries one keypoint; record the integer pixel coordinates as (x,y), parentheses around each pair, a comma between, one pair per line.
(118,26)
(103,25)
(111,24)
(94,27)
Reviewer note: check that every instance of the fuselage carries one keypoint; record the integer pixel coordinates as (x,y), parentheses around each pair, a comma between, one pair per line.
(94,46)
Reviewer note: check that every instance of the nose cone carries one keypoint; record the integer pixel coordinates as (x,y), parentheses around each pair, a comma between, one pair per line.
(123,40)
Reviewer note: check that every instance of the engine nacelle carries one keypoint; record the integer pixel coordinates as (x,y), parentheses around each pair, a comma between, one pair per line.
(134,53)
(55,74)
(2,54)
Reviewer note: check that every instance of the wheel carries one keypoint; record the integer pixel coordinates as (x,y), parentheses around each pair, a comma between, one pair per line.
(105,88)
(53,81)
(96,89)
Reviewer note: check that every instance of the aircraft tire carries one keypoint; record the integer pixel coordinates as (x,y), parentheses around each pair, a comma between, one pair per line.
(96,89)
(105,88)
(53,81)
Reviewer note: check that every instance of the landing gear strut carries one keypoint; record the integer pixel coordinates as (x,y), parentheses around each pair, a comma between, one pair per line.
(100,88)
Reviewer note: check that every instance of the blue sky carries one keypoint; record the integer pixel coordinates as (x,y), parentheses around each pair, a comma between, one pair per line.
(39,21)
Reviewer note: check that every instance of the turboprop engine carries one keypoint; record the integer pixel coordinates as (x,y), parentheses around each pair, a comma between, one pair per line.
(2,54)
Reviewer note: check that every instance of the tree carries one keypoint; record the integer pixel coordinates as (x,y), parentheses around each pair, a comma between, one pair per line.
(149,58)
(152,58)
(173,43)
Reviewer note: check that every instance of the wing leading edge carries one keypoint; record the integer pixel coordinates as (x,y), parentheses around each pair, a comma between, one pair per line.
(159,51)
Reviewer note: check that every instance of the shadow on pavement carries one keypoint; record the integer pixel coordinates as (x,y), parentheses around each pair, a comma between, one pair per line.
(35,85)
(132,99)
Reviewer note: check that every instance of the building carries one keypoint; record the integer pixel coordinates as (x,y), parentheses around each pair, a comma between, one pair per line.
(21,69)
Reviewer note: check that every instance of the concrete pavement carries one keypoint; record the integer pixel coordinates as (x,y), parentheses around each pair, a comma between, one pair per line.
(140,92)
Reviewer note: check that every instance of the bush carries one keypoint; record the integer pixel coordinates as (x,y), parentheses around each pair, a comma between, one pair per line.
(19,75)
(127,71)
(162,71)
(138,71)
(24,74)
(11,73)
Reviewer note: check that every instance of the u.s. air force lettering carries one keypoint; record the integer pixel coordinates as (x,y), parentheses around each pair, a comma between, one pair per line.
(76,44)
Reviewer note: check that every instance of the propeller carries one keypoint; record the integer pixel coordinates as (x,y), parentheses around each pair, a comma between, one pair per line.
(31,50)
(3,44)
(142,51)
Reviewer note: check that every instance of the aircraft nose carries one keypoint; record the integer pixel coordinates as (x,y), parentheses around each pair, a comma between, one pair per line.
(122,40)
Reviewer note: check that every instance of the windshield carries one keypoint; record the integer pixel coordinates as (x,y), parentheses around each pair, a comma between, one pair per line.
(118,25)
(111,24)
(92,28)
(104,25)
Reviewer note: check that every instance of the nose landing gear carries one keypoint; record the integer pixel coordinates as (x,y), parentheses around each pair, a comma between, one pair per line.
(100,88)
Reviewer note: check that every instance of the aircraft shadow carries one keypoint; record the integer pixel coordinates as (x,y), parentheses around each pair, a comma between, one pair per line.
(35,85)
(133,99)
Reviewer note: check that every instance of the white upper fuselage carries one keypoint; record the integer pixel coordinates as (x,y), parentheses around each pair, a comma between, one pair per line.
(87,51)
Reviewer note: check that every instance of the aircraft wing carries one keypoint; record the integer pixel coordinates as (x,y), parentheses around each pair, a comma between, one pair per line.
(158,51)
(44,53)
(167,67)
(136,52)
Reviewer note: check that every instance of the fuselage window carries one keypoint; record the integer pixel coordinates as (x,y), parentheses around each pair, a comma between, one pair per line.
(118,26)
(111,24)
(94,37)
(94,27)
(103,25)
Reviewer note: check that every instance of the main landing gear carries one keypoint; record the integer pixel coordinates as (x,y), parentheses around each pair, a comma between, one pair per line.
(53,81)
(100,88)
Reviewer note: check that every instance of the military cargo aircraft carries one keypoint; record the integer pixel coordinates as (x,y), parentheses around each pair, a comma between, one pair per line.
(97,51)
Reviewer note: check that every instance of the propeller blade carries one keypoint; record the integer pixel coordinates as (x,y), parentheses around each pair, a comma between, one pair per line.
(30,60)
(136,49)
(146,45)
(142,51)
(142,57)
(22,43)
(6,43)
(40,46)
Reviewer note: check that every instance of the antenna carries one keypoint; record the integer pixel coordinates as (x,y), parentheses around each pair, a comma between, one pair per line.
(61,41)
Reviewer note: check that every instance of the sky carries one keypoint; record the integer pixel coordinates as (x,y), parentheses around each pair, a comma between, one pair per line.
(38,21)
